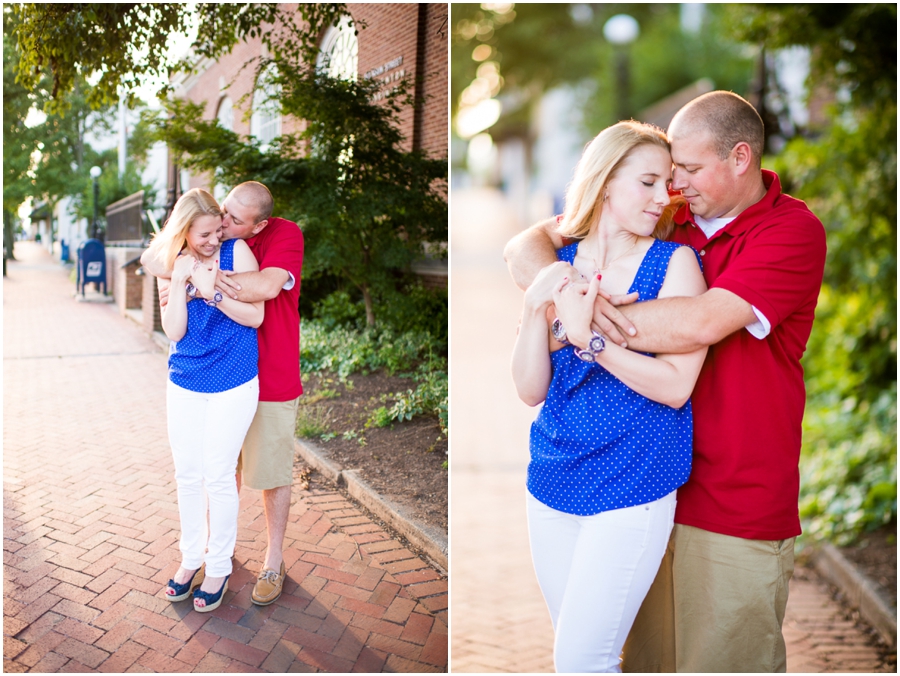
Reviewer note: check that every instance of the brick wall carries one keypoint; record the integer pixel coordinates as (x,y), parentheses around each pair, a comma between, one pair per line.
(413,34)
(150,304)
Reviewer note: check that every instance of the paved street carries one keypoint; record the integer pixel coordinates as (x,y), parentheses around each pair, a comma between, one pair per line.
(500,623)
(91,523)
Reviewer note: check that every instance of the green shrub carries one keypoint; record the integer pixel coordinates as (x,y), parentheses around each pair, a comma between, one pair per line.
(312,421)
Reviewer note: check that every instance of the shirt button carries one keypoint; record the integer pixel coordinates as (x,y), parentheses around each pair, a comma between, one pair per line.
(702,252)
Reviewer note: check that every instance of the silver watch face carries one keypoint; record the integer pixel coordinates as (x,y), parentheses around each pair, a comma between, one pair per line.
(558,331)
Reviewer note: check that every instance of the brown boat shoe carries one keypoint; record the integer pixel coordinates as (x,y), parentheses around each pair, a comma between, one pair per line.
(268,587)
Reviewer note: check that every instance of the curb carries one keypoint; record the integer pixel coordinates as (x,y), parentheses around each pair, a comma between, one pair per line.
(859,590)
(431,541)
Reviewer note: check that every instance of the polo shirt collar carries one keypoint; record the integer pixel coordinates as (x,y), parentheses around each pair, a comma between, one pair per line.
(749,216)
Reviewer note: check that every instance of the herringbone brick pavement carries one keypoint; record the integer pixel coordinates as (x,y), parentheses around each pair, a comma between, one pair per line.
(500,622)
(91,523)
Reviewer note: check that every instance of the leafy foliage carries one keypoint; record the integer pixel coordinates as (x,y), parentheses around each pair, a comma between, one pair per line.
(367,206)
(343,352)
(131,43)
(526,43)
(429,397)
(848,176)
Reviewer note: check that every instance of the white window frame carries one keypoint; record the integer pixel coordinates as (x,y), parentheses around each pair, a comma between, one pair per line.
(265,121)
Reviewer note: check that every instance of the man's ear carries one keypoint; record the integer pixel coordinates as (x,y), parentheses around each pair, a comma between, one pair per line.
(258,228)
(742,156)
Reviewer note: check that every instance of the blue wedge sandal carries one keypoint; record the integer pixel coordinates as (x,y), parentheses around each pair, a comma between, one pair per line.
(213,601)
(182,591)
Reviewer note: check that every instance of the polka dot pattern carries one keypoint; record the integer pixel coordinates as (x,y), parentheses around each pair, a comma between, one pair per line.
(598,445)
(216,353)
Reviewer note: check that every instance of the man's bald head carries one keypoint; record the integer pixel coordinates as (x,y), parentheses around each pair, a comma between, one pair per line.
(727,118)
(256,196)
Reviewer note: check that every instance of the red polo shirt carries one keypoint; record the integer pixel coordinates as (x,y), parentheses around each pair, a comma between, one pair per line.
(280,245)
(749,398)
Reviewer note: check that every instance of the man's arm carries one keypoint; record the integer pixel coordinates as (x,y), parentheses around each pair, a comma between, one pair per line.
(686,324)
(253,287)
(154,265)
(529,252)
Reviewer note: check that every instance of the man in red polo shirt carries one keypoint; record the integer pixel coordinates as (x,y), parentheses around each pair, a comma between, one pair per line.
(267,456)
(718,602)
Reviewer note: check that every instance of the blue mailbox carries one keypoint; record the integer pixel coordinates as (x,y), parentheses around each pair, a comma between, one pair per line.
(63,251)
(91,265)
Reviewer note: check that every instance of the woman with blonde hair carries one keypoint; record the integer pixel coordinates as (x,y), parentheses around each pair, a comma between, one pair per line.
(612,442)
(212,392)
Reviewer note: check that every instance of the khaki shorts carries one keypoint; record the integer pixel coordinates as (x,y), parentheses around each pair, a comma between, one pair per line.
(717,605)
(267,456)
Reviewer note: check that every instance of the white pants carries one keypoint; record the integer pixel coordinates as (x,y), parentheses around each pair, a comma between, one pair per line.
(594,572)
(206,431)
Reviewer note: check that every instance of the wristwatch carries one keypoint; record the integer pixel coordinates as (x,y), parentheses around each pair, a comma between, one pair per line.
(191,290)
(595,346)
(559,332)
(216,299)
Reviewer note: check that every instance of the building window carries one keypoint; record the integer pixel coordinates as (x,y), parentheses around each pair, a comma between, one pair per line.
(339,54)
(265,122)
(225,116)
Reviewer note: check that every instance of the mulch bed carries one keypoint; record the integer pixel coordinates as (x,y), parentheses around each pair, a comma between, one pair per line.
(875,555)
(402,462)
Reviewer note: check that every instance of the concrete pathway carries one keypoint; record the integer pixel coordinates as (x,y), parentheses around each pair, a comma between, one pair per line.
(500,622)
(91,523)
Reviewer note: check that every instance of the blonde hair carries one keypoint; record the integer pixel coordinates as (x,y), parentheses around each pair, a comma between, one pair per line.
(172,239)
(598,165)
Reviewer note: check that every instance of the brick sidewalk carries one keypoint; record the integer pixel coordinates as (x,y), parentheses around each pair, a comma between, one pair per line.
(91,523)
(500,622)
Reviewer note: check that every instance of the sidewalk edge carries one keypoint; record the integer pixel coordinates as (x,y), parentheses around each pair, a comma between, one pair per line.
(860,592)
(430,540)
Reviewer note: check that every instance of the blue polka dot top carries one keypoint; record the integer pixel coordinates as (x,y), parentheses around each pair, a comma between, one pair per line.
(598,445)
(216,353)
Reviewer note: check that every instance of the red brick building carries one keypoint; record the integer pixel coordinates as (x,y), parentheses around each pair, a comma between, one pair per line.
(398,40)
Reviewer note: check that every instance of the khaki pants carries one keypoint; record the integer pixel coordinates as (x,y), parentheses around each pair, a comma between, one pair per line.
(717,605)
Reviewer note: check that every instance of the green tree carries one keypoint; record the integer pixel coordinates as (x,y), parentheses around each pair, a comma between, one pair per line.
(19,141)
(848,175)
(537,46)
(367,207)
(129,43)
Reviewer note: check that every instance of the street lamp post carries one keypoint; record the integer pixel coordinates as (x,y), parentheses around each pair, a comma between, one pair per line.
(95,174)
(621,30)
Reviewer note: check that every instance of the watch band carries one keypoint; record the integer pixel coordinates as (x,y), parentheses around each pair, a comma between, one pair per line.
(595,346)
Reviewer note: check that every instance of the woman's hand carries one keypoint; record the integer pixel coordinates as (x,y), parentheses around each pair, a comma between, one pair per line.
(204,278)
(575,309)
(540,294)
(183,269)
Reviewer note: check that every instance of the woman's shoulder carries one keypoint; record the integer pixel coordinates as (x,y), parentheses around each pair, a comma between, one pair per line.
(667,250)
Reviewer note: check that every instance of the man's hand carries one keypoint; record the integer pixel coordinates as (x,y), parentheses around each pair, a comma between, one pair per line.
(610,321)
(226,285)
